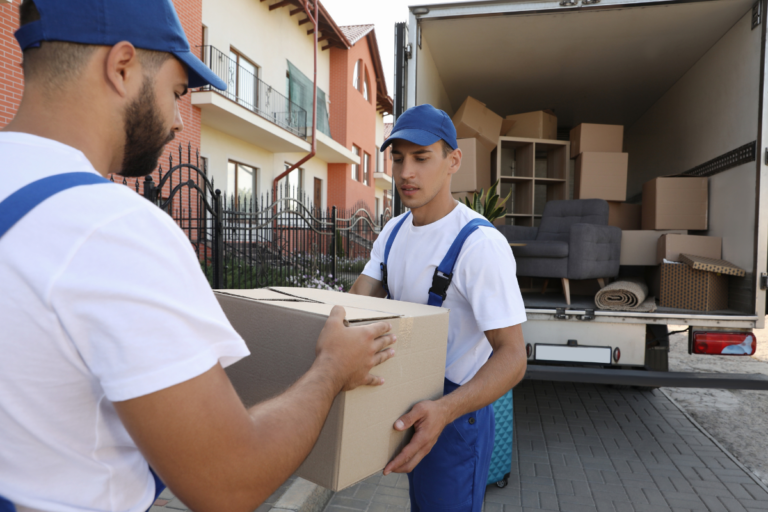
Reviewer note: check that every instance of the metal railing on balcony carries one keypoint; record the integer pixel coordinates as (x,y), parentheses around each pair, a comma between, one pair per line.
(247,90)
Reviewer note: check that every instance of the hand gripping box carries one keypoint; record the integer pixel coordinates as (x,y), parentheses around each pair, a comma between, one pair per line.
(281,327)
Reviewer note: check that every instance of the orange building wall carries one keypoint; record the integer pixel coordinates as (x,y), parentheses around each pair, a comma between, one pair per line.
(11,78)
(353,122)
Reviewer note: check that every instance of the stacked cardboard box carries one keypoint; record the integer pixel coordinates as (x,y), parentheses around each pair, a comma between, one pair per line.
(478,129)
(676,203)
(697,283)
(281,327)
(541,124)
(601,167)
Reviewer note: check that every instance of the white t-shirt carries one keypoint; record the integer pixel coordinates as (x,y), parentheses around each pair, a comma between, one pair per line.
(101,300)
(484,294)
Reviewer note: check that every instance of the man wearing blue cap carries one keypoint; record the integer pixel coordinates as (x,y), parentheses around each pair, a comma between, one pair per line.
(444,254)
(113,343)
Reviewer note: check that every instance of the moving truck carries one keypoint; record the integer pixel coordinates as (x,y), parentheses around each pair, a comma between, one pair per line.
(687,81)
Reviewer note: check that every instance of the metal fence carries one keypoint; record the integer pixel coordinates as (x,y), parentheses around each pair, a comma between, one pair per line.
(245,88)
(265,240)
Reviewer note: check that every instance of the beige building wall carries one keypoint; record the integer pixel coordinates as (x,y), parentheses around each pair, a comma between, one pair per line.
(269,39)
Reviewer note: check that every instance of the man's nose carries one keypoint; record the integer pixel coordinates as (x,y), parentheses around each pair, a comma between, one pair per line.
(178,123)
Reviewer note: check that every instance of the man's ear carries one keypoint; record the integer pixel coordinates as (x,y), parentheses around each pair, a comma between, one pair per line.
(455,161)
(122,67)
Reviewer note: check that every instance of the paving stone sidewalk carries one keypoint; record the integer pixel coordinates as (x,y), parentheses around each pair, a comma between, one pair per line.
(596,448)
(169,503)
(590,448)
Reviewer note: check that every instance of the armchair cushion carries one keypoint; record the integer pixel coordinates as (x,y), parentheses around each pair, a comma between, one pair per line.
(518,233)
(559,216)
(542,249)
(594,251)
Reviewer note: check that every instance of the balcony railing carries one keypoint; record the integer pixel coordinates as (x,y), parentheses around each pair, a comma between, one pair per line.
(247,90)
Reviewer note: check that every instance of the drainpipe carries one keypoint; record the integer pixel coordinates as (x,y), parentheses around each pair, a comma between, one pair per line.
(314,19)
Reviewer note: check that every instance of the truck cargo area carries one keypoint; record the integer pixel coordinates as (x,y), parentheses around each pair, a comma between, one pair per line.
(683,78)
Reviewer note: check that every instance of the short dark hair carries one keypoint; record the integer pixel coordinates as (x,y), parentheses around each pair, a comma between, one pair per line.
(57,62)
(447,149)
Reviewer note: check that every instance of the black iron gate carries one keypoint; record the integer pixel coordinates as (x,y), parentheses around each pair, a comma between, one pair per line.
(252,242)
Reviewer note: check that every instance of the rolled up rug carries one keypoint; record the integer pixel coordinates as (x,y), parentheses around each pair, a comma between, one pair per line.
(626,295)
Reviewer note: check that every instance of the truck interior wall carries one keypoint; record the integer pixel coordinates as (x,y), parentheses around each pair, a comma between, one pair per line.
(711,110)
(429,87)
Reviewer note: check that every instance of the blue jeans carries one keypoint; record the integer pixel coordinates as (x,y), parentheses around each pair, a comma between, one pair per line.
(452,477)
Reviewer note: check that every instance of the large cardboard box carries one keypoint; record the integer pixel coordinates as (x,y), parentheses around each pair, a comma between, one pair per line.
(639,247)
(475,171)
(281,327)
(597,138)
(601,176)
(624,215)
(685,288)
(671,246)
(541,124)
(676,203)
(475,120)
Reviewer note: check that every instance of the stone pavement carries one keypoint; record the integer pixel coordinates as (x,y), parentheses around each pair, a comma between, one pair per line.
(591,448)
(596,448)
(169,503)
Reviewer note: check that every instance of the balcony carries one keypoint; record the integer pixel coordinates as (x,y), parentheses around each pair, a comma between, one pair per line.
(382,180)
(257,113)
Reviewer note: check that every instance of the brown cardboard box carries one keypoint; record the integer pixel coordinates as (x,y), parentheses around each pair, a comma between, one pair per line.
(676,203)
(475,120)
(715,265)
(670,247)
(685,288)
(639,247)
(597,138)
(601,176)
(357,439)
(506,125)
(475,170)
(624,215)
(541,124)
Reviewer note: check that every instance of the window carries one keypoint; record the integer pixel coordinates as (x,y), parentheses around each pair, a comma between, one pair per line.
(366,88)
(378,207)
(378,159)
(291,186)
(242,84)
(241,184)
(356,167)
(356,75)
(366,169)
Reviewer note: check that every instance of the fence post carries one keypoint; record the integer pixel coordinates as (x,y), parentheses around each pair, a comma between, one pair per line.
(218,244)
(333,243)
(149,188)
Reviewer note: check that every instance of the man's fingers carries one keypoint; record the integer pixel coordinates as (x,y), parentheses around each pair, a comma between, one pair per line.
(373,380)
(384,355)
(338,313)
(379,329)
(402,458)
(384,341)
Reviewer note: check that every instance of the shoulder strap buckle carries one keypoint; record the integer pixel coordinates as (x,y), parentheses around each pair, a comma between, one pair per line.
(440,284)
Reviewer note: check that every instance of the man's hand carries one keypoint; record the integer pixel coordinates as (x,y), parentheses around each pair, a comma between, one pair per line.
(350,352)
(429,418)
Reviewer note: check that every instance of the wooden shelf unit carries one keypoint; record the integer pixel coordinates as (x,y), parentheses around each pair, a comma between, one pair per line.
(535,170)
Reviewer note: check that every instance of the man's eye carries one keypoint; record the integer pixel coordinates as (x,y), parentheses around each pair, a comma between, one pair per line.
(421,159)
(398,161)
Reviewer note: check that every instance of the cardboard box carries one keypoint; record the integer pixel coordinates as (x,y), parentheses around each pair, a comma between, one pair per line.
(624,215)
(541,124)
(474,120)
(639,247)
(685,288)
(281,327)
(670,247)
(506,125)
(597,138)
(715,265)
(676,203)
(475,170)
(601,176)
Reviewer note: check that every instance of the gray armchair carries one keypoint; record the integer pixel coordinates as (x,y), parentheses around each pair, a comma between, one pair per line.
(574,241)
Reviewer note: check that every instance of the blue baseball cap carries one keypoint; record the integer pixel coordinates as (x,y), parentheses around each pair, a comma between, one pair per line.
(147,24)
(423,125)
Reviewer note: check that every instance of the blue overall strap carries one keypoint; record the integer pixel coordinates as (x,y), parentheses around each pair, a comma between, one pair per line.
(17,205)
(388,248)
(6,506)
(440,283)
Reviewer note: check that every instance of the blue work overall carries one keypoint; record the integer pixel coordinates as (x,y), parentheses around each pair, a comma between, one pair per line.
(453,476)
(16,206)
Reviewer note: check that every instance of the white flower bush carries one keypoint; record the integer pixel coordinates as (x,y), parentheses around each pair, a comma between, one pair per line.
(317,280)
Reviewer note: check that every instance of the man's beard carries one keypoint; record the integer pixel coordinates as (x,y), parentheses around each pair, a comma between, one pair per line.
(145,134)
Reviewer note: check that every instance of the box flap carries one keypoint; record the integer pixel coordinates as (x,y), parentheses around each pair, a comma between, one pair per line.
(712,265)
(259,294)
(353,314)
(395,307)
